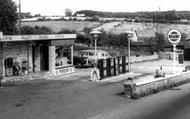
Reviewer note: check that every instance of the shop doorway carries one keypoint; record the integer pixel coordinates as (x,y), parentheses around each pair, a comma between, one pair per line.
(44,58)
(187,54)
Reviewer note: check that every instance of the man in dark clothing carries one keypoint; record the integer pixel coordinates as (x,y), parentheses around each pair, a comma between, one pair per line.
(16,69)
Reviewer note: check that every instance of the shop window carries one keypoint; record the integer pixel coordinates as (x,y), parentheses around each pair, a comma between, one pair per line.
(63,56)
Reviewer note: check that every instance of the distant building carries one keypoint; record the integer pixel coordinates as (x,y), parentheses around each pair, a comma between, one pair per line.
(25,15)
(111,19)
(31,19)
(183,20)
(80,15)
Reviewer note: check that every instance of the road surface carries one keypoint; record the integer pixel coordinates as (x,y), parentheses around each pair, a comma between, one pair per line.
(170,104)
(59,99)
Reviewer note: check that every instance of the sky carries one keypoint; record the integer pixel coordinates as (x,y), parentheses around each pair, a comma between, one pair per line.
(57,7)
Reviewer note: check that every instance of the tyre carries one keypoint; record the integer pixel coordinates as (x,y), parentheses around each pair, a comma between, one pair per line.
(79,64)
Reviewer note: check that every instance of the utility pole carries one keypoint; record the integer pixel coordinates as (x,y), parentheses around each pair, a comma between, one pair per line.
(129,54)
(19,17)
(1,59)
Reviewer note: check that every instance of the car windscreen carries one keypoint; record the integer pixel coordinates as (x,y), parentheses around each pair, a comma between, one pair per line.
(91,53)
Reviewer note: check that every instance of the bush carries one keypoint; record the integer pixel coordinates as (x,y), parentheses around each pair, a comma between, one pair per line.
(109,39)
(66,31)
(26,30)
(84,38)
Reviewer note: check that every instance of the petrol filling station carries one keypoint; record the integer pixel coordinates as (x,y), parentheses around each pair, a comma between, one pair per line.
(25,54)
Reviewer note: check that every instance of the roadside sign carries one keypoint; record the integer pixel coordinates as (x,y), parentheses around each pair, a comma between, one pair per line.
(95,75)
(174,36)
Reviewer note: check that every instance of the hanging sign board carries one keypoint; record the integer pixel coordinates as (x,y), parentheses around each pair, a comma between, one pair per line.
(7,38)
(174,36)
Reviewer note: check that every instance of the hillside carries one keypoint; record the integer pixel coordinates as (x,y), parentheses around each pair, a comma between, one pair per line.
(56,26)
(143,29)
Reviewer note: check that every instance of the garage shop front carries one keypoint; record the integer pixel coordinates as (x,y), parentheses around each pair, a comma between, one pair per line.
(25,54)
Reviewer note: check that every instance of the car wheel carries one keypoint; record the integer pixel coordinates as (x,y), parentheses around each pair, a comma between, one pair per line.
(79,64)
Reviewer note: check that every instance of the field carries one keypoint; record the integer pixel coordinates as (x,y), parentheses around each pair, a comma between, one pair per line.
(56,26)
(143,29)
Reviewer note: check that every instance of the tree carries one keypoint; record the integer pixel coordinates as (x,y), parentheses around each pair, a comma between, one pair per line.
(87,29)
(95,18)
(68,12)
(66,31)
(8,16)
(26,30)
(160,40)
(183,38)
(42,30)
(84,38)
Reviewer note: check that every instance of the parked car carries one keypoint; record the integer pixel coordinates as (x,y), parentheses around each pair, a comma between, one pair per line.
(79,62)
(90,54)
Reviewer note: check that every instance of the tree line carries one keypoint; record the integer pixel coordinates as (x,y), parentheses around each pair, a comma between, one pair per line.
(156,16)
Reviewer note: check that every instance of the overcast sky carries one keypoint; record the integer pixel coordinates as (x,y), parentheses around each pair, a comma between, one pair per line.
(57,7)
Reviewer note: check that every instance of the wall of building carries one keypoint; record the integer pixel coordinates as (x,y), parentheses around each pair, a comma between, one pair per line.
(37,66)
(52,57)
(187,54)
(19,51)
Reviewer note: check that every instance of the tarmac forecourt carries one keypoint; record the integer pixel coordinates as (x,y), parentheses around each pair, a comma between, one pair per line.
(143,81)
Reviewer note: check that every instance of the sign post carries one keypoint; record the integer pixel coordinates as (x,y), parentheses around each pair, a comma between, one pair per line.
(174,37)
